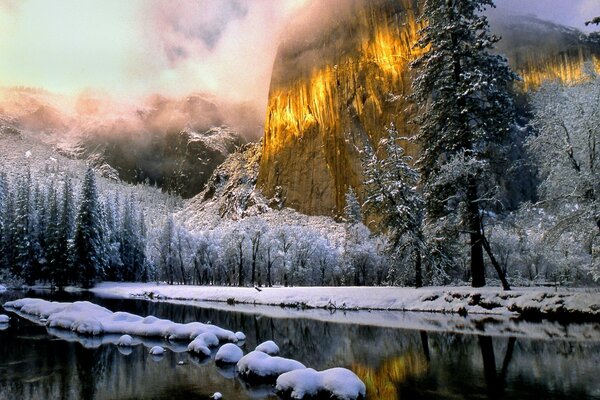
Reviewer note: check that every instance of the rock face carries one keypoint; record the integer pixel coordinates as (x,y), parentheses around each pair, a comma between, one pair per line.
(336,83)
(342,75)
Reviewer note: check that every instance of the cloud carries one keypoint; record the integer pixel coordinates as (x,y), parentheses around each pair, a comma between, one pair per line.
(135,48)
(572,13)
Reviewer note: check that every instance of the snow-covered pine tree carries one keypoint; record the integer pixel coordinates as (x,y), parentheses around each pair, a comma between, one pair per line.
(466,108)
(22,231)
(89,247)
(140,258)
(6,208)
(352,209)
(52,234)
(391,188)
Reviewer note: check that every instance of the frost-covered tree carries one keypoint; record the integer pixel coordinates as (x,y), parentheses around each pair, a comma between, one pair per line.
(352,209)
(255,230)
(23,231)
(391,187)
(566,149)
(89,249)
(466,109)
(132,247)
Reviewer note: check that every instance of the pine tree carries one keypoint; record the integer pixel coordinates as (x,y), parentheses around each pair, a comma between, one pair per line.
(352,209)
(89,250)
(5,219)
(52,233)
(466,110)
(391,187)
(22,232)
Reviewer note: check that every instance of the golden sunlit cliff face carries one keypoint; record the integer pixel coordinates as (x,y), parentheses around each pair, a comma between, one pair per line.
(331,93)
(340,77)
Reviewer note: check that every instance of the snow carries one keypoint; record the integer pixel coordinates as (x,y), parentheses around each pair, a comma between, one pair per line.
(2,289)
(269,347)
(4,319)
(91,319)
(229,353)
(217,396)
(240,336)
(338,383)
(125,340)
(259,365)
(202,343)
(157,351)
(482,301)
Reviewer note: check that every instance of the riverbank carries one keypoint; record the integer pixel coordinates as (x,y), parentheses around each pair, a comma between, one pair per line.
(528,303)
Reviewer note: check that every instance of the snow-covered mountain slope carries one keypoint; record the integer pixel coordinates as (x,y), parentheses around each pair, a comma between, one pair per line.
(175,143)
(231,195)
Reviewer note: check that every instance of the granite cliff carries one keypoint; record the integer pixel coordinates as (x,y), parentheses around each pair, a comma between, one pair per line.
(342,74)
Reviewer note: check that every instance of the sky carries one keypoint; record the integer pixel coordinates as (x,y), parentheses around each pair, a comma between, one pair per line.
(572,13)
(132,48)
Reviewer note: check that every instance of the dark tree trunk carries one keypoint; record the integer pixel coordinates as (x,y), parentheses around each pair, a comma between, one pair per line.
(418,269)
(476,236)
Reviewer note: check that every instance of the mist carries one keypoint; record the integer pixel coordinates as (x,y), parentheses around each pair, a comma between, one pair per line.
(130,51)
(110,59)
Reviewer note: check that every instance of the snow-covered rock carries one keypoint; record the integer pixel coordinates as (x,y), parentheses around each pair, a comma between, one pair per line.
(202,343)
(4,319)
(260,366)
(240,336)
(334,383)
(125,340)
(229,353)
(269,347)
(91,319)
(157,351)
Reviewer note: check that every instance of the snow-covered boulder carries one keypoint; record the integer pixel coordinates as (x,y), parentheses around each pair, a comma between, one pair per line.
(334,383)
(202,344)
(125,340)
(240,336)
(269,347)
(229,353)
(157,351)
(259,366)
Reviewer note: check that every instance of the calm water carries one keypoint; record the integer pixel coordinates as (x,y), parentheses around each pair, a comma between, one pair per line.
(394,363)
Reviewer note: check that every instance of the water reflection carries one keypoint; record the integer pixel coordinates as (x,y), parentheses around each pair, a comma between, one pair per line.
(36,363)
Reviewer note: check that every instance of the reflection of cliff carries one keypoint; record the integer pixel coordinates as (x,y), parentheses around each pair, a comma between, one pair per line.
(382,382)
(338,81)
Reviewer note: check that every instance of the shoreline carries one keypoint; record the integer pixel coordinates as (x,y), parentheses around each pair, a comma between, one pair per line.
(531,304)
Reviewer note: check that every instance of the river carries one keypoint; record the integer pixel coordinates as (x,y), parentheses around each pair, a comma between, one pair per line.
(394,363)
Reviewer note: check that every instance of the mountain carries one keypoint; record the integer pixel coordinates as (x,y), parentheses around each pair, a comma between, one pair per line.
(175,143)
(341,75)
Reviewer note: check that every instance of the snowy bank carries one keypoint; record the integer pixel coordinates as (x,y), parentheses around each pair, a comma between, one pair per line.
(334,383)
(527,302)
(91,319)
